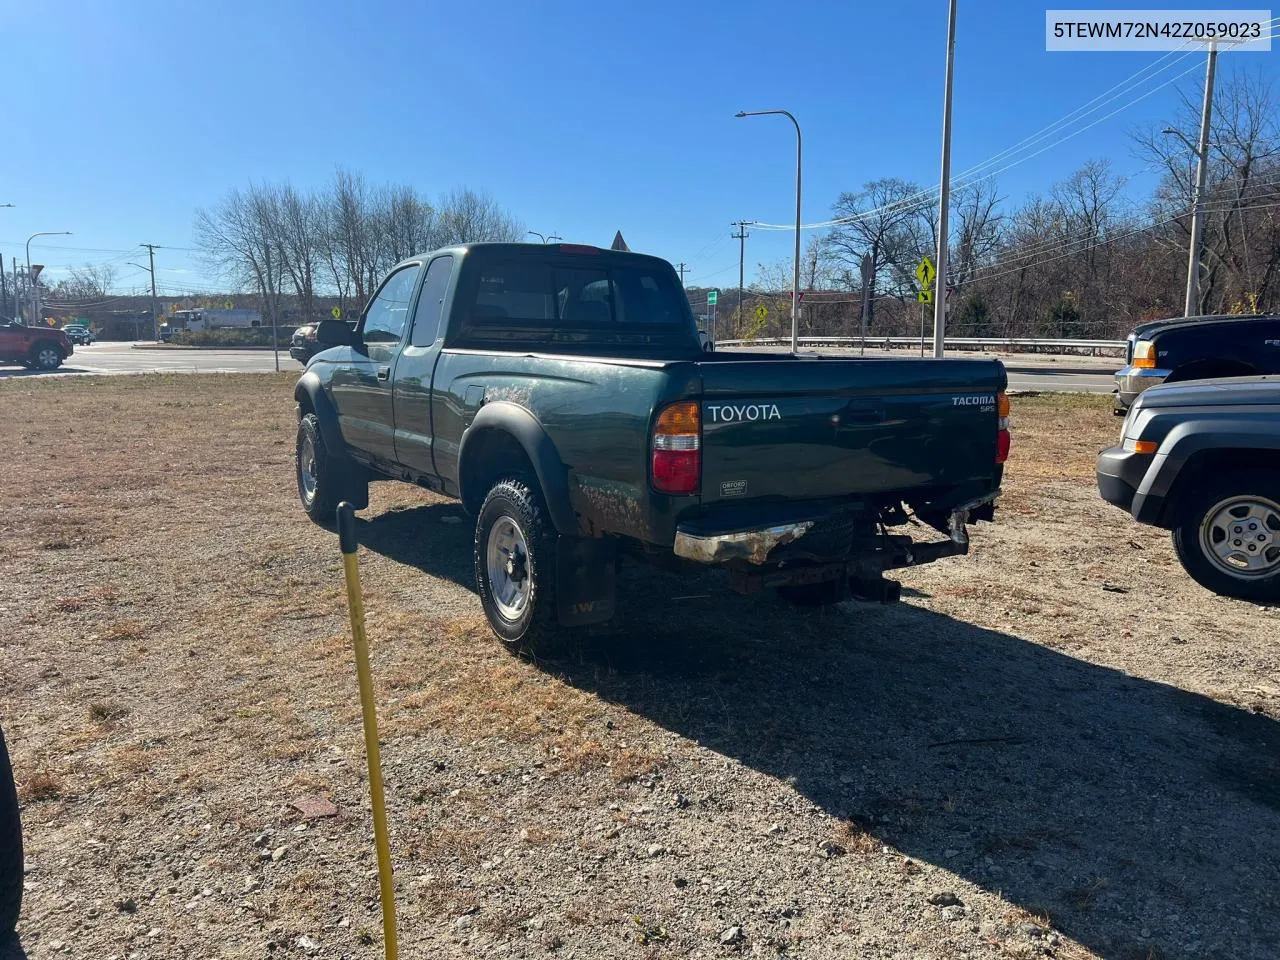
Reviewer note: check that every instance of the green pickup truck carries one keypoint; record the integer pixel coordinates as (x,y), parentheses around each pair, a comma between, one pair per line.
(563,394)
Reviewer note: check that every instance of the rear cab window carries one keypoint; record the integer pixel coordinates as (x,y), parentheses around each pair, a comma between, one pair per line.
(574,300)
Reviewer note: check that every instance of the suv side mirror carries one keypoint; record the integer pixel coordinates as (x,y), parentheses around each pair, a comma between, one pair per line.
(334,333)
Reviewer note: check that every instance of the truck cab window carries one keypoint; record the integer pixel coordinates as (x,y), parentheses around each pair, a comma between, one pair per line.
(426,317)
(385,319)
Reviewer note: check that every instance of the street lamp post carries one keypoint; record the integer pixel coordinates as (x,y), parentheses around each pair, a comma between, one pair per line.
(1192,306)
(35,287)
(536,234)
(795,264)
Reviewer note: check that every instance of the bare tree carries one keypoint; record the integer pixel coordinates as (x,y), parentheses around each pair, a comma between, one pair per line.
(469,216)
(879,221)
(87,284)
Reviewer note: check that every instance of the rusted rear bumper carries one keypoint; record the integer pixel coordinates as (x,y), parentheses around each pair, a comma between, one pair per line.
(752,546)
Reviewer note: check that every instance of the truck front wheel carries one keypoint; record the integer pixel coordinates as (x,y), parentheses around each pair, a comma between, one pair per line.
(1229,536)
(515,556)
(325,479)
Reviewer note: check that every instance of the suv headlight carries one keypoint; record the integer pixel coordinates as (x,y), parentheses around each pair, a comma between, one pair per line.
(1144,355)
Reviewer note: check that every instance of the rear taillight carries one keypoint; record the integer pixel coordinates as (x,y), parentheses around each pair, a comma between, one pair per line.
(677,448)
(1002,426)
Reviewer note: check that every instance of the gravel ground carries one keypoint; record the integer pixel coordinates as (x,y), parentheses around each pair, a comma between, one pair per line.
(1057,746)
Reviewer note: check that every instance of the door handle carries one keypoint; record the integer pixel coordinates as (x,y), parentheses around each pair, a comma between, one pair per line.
(384,373)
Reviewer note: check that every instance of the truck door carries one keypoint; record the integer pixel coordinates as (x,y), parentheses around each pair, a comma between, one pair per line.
(362,388)
(414,369)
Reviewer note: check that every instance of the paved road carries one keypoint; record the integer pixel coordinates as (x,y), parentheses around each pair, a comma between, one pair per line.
(108,358)
(1066,374)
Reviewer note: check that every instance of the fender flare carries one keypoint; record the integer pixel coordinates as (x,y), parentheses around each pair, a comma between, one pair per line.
(1185,441)
(310,387)
(551,472)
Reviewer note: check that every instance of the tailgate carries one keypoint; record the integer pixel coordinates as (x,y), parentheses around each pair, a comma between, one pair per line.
(810,428)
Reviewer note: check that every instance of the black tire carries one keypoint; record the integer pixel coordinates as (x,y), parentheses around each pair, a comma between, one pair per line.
(10,849)
(822,594)
(526,622)
(46,356)
(1197,532)
(325,479)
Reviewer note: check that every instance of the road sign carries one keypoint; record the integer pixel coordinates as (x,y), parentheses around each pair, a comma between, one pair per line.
(924,296)
(336,313)
(761,312)
(925,273)
(230,305)
(712,297)
(34,271)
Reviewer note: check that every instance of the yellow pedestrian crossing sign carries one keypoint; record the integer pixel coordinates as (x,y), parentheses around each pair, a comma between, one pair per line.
(761,312)
(336,313)
(926,272)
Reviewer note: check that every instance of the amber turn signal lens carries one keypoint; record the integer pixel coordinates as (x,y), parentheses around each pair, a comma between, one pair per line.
(679,418)
(1144,355)
(1145,446)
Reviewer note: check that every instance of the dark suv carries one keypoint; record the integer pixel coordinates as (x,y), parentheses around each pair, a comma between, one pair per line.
(1197,348)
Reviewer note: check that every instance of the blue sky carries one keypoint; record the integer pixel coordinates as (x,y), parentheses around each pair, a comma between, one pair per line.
(582,118)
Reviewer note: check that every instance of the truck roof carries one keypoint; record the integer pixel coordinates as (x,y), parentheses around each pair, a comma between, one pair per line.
(1175,323)
(541,249)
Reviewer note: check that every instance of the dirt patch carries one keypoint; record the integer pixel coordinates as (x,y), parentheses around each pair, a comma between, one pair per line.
(1058,746)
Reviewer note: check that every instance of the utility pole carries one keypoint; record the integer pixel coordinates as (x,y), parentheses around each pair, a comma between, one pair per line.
(155,313)
(944,199)
(1192,307)
(682,268)
(741,237)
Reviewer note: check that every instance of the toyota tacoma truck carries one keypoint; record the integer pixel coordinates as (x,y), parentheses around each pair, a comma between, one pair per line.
(1202,459)
(562,393)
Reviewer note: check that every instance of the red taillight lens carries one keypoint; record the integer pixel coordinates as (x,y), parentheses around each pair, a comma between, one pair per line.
(1002,425)
(677,449)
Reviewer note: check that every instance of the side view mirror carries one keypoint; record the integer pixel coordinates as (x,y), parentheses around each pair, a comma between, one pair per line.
(334,333)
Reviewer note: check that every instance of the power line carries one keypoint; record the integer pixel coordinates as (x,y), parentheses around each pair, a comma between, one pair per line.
(969,176)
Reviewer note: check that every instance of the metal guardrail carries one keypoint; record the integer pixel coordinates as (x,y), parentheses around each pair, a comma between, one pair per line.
(1029,344)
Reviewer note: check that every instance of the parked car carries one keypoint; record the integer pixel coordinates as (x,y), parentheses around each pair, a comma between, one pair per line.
(1202,459)
(79,334)
(1197,348)
(562,393)
(303,345)
(38,348)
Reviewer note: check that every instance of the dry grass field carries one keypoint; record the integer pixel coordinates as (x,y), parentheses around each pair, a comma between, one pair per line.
(1057,746)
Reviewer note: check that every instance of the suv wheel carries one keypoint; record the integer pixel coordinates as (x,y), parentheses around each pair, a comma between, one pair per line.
(1229,536)
(515,555)
(325,479)
(46,356)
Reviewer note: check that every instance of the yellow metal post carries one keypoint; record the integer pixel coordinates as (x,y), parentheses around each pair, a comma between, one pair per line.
(355,603)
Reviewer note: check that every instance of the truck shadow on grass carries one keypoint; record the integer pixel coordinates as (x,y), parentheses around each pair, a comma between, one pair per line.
(1141,819)
(1108,803)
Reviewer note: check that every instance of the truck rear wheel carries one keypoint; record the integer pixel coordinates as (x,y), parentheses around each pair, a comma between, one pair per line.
(10,850)
(515,556)
(325,479)
(1228,538)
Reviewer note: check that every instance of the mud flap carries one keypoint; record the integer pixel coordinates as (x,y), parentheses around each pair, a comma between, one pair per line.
(586,580)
